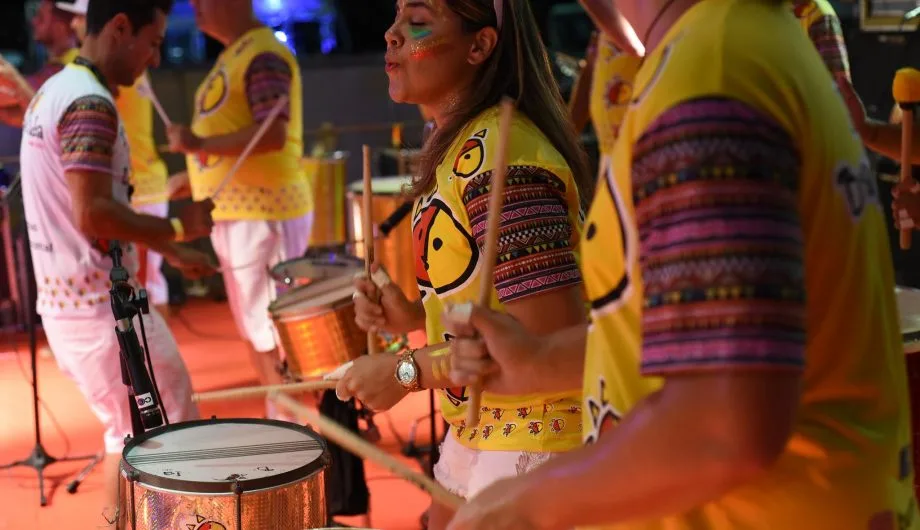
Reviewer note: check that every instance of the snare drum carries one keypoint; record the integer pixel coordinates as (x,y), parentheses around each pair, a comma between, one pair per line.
(320,263)
(327,177)
(316,326)
(395,252)
(224,475)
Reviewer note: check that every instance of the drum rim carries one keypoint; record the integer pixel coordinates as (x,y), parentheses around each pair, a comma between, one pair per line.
(192,486)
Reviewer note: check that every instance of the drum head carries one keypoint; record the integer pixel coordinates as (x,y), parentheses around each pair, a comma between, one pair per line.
(382,185)
(213,456)
(315,298)
(319,264)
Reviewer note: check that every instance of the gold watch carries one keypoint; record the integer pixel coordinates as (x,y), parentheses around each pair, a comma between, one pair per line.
(408,373)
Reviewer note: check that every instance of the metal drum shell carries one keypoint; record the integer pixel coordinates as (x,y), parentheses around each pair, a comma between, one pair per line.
(327,176)
(290,501)
(395,253)
(318,338)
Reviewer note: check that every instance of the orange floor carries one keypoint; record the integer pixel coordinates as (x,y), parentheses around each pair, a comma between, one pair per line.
(217,359)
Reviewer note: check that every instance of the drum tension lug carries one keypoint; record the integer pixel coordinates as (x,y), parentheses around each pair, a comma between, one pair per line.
(238,491)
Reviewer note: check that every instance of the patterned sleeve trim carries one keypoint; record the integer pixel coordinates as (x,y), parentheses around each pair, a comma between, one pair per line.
(536,237)
(827,36)
(721,242)
(268,78)
(88,132)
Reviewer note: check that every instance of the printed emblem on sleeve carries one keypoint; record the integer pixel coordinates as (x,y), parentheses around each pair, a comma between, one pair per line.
(472,155)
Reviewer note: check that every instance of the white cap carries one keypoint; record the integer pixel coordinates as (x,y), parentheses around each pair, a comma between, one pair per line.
(77,7)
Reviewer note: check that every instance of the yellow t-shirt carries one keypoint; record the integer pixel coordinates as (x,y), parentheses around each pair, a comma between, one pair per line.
(541,225)
(611,91)
(148,171)
(270,186)
(847,464)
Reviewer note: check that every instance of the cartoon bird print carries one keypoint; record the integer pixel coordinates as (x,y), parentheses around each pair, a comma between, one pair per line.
(214,93)
(203,523)
(447,255)
(471,156)
(619,92)
(607,235)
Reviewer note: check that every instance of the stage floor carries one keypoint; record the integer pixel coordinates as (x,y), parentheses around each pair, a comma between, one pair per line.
(217,359)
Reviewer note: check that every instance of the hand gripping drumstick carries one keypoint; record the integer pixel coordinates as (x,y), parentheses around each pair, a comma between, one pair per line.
(357,446)
(906,91)
(257,391)
(272,116)
(368,229)
(490,249)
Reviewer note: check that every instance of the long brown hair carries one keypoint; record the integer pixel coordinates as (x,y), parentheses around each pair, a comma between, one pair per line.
(518,67)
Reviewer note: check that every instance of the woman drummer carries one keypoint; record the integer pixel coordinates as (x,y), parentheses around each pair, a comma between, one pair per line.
(458,59)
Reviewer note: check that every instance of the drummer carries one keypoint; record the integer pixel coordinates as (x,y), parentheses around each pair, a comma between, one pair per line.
(75,169)
(783,397)
(458,59)
(264,214)
(148,171)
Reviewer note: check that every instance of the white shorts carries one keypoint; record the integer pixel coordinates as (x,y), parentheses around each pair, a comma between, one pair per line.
(466,472)
(87,351)
(247,250)
(155,283)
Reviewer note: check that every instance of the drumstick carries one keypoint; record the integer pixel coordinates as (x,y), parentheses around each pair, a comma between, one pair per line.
(357,446)
(490,249)
(256,391)
(272,116)
(368,234)
(146,90)
(906,91)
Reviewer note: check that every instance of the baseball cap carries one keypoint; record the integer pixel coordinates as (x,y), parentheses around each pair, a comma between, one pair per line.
(77,7)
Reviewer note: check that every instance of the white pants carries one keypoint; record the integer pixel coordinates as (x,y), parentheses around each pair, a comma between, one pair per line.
(466,472)
(155,282)
(247,250)
(87,351)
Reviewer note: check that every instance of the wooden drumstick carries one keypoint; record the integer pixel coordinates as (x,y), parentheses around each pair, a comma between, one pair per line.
(359,447)
(257,391)
(906,91)
(272,116)
(368,233)
(490,248)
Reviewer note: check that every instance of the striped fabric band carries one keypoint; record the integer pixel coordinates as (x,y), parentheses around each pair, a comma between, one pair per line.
(827,36)
(268,78)
(88,131)
(536,237)
(721,242)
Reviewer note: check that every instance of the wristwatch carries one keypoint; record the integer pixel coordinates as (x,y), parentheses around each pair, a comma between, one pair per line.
(407,372)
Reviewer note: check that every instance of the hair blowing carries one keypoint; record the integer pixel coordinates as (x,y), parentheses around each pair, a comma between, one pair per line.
(518,67)
(139,12)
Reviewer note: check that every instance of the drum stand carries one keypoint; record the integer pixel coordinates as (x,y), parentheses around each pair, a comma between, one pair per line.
(432,449)
(39,459)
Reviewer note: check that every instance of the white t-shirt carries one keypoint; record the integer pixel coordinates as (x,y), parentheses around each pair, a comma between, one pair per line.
(71,124)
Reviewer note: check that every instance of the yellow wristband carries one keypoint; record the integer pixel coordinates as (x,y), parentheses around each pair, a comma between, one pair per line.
(177,228)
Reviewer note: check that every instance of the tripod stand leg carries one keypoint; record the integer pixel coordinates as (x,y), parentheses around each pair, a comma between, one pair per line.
(75,483)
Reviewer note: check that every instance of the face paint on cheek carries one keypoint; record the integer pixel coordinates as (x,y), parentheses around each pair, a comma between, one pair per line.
(419,33)
(427,48)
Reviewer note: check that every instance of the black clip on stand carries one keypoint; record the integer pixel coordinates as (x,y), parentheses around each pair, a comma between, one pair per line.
(143,395)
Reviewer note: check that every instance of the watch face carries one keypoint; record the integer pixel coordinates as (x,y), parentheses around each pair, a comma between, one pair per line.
(406,373)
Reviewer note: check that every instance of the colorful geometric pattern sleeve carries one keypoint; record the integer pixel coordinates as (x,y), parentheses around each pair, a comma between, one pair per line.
(827,36)
(536,238)
(88,132)
(267,79)
(721,241)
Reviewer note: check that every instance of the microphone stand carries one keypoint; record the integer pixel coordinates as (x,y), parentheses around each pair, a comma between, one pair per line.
(143,396)
(38,459)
